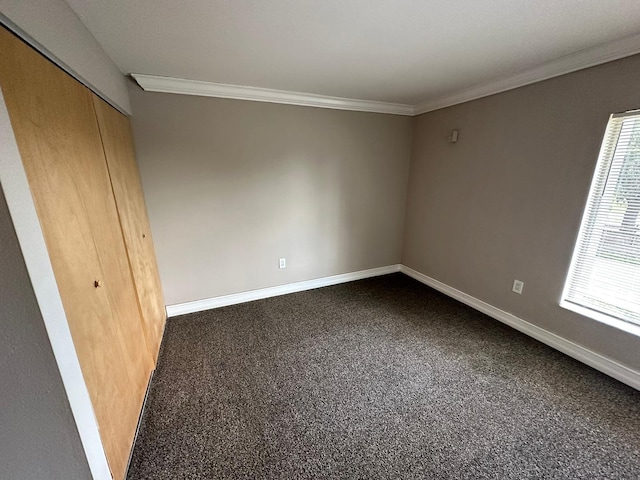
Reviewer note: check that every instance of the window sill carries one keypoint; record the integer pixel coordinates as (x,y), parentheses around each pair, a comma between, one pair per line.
(602,318)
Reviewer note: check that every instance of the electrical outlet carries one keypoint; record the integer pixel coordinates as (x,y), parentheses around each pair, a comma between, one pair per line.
(283,263)
(518,285)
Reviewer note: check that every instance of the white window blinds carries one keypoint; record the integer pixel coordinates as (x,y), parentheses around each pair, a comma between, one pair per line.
(604,276)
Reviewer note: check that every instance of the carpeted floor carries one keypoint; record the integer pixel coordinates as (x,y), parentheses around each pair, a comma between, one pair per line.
(376,379)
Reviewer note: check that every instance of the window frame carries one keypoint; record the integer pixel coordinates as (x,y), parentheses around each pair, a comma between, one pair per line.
(571,305)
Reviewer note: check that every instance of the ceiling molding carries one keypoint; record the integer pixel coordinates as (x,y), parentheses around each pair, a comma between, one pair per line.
(152,83)
(570,63)
(577,61)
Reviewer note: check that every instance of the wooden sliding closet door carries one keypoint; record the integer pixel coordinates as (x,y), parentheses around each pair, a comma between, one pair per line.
(55,126)
(127,188)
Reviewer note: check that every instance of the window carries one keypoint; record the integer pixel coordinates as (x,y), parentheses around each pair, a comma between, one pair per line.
(604,277)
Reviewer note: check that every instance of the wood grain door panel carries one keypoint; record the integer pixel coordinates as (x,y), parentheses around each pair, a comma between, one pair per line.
(127,188)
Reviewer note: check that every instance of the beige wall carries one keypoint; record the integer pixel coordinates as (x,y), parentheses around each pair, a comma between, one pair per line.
(505,202)
(56,28)
(232,186)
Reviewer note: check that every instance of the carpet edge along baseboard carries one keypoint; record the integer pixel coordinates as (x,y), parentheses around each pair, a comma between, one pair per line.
(259,294)
(595,360)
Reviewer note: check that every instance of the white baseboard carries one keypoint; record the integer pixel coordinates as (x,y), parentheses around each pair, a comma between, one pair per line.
(225,300)
(599,362)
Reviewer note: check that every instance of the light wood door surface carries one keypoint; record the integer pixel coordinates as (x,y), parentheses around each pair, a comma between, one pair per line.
(127,188)
(57,134)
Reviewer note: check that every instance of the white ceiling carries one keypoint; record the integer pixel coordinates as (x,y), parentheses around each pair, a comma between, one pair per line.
(401,51)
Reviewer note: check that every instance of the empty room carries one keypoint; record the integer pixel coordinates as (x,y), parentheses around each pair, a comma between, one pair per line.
(359,239)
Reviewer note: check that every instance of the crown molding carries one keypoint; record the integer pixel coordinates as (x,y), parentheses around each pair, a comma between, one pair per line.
(152,83)
(570,63)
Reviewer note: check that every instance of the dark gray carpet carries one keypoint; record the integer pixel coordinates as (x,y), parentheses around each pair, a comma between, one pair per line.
(381,378)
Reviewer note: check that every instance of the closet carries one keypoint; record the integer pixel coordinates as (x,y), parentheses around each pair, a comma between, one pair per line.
(78,155)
